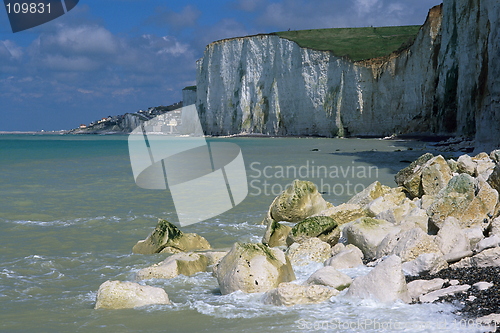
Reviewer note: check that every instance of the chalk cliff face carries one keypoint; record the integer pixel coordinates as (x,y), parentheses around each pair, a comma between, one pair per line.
(447,82)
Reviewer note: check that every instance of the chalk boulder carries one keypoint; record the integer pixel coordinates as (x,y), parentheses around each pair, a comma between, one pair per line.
(312,249)
(330,277)
(167,238)
(298,201)
(124,295)
(253,268)
(290,294)
(385,283)
(367,233)
(180,263)
(348,258)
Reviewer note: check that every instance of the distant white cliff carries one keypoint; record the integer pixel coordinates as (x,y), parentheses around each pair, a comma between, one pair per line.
(447,82)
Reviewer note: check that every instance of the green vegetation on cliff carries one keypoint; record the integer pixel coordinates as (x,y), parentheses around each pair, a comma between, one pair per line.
(355,43)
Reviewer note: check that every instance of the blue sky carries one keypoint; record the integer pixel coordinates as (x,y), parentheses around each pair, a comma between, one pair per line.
(109,57)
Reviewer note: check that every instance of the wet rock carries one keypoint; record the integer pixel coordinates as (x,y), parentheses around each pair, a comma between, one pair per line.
(291,294)
(349,257)
(312,249)
(123,295)
(252,268)
(180,263)
(312,227)
(298,201)
(385,283)
(276,234)
(367,233)
(213,258)
(167,238)
(330,277)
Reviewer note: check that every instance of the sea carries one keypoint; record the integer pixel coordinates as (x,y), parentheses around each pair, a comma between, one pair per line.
(70,213)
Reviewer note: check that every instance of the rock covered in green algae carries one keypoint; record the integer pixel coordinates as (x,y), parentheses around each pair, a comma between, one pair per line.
(167,238)
(299,201)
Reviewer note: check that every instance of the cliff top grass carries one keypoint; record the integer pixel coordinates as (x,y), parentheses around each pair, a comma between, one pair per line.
(355,43)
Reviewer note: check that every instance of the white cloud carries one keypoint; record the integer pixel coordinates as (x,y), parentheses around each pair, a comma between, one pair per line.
(80,40)
(187,17)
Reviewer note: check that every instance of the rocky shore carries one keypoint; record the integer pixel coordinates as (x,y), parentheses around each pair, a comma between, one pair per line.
(433,238)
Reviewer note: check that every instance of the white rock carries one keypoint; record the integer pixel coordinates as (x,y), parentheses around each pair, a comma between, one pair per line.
(252,268)
(123,295)
(495,226)
(349,258)
(454,282)
(213,257)
(487,243)
(451,238)
(337,248)
(418,288)
(482,285)
(385,283)
(457,256)
(466,165)
(464,263)
(367,233)
(474,235)
(492,319)
(179,263)
(413,243)
(435,295)
(417,217)
(387,245)
(372,192)
(289,294)
(312,249)
(426,262)
(488,257)
(330,277)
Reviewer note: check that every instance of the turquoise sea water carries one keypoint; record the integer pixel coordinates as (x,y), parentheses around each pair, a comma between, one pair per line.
(70,213)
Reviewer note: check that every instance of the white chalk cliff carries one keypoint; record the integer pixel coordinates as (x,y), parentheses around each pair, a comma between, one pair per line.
(447,82)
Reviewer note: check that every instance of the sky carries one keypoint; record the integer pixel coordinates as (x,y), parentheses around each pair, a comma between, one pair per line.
(110,57)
